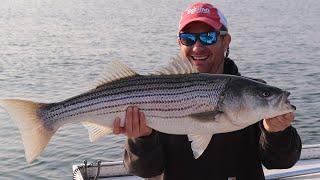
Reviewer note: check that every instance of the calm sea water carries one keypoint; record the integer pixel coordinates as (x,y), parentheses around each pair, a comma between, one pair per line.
(54,49)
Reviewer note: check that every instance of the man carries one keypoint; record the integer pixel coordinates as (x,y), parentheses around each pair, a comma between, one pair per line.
(204,41)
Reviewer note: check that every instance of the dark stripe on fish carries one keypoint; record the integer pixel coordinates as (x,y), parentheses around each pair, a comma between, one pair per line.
(132,84)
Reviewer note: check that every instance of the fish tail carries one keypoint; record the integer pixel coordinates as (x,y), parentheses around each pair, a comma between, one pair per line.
(35,136)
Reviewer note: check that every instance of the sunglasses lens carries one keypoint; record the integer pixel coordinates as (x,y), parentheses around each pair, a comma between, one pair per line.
(208,38)
(187,39)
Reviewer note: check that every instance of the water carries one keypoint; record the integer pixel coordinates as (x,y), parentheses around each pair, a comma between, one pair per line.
(54,49)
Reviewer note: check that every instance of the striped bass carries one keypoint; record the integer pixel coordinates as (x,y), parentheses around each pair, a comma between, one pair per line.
(176,100)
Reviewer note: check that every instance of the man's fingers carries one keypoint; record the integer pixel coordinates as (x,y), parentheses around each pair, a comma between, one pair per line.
(286,119)
(116,126)
(143,124)
(289,116)
(128,123)
(279,123)
(144,129)
(135,122)
(272,124)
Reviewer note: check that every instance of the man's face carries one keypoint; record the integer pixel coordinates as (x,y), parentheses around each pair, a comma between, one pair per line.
(207,59)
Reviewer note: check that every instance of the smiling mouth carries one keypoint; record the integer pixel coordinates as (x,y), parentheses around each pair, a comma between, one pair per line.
(199,58)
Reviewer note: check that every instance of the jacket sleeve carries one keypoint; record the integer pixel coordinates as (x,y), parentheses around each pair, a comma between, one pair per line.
(280,150)
(144,156)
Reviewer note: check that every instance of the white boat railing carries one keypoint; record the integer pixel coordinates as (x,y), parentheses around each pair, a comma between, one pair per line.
(310,152)
(309,164)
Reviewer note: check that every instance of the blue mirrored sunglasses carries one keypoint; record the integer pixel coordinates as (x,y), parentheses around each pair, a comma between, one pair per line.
(205,38)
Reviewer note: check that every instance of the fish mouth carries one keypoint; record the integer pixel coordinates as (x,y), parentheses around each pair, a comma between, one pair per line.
(285,96)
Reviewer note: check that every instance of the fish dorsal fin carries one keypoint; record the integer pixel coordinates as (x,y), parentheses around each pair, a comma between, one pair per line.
(199,143)
(115,70)
(96,131)
(177,65)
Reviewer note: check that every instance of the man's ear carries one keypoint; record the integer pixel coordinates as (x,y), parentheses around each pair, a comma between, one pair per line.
(226,41)
(178,41)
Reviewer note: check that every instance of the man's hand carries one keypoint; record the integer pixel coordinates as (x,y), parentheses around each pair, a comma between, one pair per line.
(135,124)
(278,123)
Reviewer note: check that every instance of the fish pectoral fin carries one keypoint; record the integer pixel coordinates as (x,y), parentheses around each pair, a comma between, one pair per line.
(199,143)
(115,70)
(96,131)
(207,115)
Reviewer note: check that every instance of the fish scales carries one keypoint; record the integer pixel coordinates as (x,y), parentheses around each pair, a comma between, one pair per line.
(137,97)
(176,92)
(119,91)
(165,101)
(129,86)
(136,82)
(149,94)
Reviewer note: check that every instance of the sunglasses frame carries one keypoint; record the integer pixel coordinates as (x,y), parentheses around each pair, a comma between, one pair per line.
(197,35)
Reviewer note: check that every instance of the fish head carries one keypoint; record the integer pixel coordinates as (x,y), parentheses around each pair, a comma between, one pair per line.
(247,101)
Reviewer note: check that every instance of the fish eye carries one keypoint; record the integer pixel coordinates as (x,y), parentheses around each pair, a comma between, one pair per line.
(265,94)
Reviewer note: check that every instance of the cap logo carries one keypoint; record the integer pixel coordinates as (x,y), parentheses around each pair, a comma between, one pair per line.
(198,10)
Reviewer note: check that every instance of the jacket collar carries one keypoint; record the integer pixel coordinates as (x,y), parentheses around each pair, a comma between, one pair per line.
(230,67)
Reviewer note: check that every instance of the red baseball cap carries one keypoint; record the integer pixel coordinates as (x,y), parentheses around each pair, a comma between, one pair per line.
(203,12)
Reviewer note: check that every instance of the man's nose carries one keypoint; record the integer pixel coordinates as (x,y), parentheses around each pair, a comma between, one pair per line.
(198,47)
